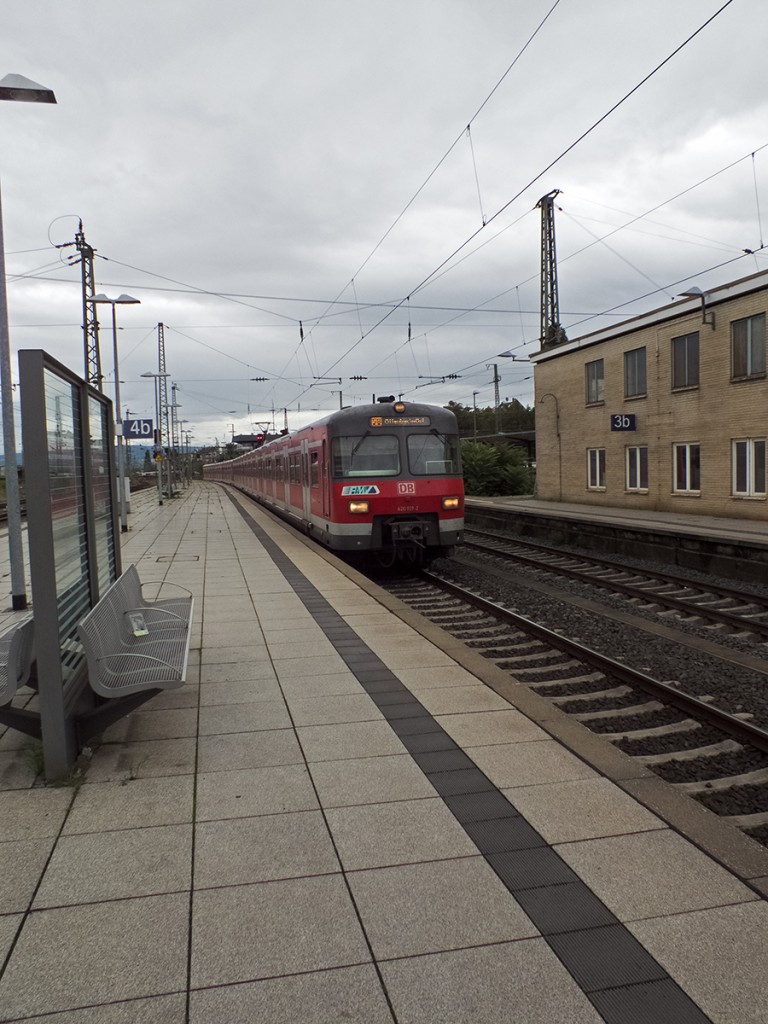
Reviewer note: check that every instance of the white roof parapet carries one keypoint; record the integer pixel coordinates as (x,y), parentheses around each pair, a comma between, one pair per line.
(672,311)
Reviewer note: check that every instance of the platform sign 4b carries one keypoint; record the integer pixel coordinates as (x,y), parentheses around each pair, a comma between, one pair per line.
(137,430)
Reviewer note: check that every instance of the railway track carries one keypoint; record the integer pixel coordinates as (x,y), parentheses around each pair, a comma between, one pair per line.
(739,611)
(718,757)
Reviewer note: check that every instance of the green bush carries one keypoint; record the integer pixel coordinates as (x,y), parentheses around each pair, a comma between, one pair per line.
(494,469)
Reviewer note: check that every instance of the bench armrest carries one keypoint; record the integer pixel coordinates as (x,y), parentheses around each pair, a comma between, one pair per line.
(143,610)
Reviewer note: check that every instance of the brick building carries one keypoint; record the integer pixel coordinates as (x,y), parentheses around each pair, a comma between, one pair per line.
(667,411)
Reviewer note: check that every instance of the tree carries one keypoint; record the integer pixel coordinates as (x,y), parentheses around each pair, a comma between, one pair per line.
(493,469)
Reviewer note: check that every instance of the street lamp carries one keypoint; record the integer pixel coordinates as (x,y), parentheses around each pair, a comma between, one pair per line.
(158,432)
(13,87)
(121,300)
(697,293)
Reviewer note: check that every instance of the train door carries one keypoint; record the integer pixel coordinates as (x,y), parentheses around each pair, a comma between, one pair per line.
(325,480)
(305,488)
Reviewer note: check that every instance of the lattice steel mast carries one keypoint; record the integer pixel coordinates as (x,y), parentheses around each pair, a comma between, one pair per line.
(93,372)
(551,333)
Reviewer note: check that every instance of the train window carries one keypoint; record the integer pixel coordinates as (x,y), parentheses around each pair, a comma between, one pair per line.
(433,454)
(314,469)
(365,455)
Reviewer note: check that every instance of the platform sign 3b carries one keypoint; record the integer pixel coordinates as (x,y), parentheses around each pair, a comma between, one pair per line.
(137,430)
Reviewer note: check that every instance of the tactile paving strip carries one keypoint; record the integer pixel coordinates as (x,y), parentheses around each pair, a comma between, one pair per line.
(623,981)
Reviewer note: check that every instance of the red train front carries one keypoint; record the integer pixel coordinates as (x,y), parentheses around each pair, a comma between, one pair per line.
(380,479)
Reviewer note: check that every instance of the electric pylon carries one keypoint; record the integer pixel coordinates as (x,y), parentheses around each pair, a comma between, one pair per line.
(551,333)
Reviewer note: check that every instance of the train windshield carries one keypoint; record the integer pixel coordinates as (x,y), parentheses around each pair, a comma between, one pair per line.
(433,454)
(366,455)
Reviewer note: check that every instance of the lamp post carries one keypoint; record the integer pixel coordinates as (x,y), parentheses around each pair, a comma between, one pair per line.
(121,300)
(158,432)
(13,87)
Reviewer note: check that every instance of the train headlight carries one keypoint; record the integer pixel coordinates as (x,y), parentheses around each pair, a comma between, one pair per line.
(450,503)
(358,506)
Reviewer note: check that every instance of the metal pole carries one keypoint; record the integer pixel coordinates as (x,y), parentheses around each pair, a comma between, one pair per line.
(13,498)
(158,440)
(119,423)
(474,415)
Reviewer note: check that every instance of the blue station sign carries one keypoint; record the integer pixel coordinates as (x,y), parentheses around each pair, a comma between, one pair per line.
(137,430)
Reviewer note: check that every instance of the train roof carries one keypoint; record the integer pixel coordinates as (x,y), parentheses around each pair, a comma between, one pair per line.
(404,412)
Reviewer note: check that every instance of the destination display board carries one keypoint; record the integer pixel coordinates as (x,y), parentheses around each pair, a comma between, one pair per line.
(400,421)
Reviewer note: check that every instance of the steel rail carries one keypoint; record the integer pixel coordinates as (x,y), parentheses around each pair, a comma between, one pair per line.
(722,616)
(739,729)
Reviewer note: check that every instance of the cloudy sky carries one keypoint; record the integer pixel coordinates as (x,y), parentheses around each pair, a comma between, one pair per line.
(252,170)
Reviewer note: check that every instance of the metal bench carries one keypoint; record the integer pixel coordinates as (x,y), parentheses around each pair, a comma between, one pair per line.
(133,645)
(16,657)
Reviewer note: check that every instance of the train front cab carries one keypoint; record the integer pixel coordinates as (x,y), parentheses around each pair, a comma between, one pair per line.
(396,484)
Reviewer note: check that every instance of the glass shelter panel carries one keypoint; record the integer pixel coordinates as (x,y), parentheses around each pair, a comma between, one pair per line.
(102,493)
(67,508)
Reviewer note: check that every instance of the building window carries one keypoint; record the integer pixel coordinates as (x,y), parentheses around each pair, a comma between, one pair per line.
(748,347)
(596,468)
(595,376)
(637,469)
(685,361)
(634,373)
(749,468)
(687,467)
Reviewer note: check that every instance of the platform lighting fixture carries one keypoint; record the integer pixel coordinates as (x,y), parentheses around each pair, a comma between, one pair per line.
(697,293)
(19,89)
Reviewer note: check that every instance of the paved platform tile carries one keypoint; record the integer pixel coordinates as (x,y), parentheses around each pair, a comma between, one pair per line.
(250,654)
(517,981)
(116,865)
(248,850)
(32,813)
(226,672)
(349,994)
(274,928)
(170,1009)
(79,956)
(490,727)
(9,924)
(456,700)
(240,691)
(113,762)
(333,710)
(21,865)
(369,780)
(377,835)
(425,908)
(216,719)
(253,791)
(316,665)
(354,739)
(337,683)
(235,750)
(509,765)
(660,874)
(418,679)
(585,809)
(718,956)
(153,724)
(140,803)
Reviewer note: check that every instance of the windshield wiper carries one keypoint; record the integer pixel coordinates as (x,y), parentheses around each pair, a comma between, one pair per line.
(354,450)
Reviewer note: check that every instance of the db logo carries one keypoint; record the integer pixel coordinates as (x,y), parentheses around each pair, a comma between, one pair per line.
(409,488)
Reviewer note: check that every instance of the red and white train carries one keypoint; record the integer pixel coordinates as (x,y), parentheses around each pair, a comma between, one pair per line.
(381,480)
